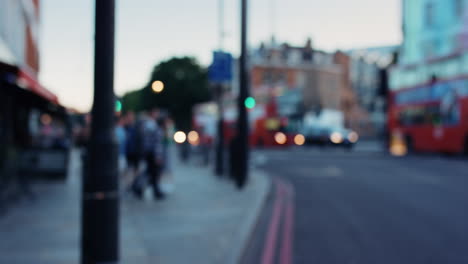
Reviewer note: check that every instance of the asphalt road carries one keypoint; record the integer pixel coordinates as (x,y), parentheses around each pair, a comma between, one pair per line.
(365,207)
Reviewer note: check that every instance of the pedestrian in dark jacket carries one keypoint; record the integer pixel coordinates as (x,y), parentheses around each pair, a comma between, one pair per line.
(152,153)
(133,142)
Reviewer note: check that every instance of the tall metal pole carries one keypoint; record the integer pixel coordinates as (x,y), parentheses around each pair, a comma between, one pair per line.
(273,18)
(242,122)
(219,166)
(221,24)
(100,200)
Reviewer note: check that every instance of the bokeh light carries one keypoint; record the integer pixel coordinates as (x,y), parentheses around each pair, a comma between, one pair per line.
(157,86)
(250,102)
(118,106)
(336,138)
(193,138)
(299,140)
(46,119)
(180,137)
(353,137)
(398,149)
(280,138)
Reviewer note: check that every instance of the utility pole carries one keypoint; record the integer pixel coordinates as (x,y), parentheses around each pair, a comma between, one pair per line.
(100,198)
(242,122)
(273,17)
(219,166)
(221,24)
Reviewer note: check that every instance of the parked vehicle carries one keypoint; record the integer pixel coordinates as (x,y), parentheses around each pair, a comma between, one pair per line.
(329,136)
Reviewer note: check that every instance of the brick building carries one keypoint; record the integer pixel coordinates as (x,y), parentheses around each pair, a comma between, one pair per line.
(301,79)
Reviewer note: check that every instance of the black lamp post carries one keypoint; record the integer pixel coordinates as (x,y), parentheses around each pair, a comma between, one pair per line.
(100,199)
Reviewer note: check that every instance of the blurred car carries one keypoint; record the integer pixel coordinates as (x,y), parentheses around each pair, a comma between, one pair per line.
(328,136)
(315,135)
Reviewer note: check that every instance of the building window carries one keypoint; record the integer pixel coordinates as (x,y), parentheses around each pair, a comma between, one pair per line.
(429,15)
(267,77)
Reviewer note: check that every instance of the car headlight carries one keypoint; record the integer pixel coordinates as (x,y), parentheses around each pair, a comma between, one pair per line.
(336,138)
(180,137)
(353,137)
(299,139)
(280,138)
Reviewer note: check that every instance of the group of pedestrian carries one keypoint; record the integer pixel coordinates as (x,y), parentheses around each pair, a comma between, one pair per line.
(143,151)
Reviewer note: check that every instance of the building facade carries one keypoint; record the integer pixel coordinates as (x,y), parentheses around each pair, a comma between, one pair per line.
(368,69)
(435,42)
(26,107)
(432,28)
(300,79)
(19,36)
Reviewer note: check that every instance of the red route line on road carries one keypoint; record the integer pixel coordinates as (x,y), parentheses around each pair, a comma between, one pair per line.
(272,234)
(288,228)
(284,199)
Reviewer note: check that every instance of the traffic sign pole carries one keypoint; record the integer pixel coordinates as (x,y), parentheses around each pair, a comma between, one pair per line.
(220,73)
(219,167)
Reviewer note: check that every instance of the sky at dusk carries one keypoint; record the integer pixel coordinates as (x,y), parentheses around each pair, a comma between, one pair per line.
(149,31)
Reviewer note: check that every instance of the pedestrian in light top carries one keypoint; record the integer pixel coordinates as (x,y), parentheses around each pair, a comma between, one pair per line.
(121,140)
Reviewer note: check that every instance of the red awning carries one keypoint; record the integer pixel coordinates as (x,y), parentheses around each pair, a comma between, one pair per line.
(29,82)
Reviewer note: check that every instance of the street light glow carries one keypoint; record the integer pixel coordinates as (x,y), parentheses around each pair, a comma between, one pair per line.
(157,86)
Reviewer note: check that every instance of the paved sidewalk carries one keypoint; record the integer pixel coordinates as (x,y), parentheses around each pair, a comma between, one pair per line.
(205,220)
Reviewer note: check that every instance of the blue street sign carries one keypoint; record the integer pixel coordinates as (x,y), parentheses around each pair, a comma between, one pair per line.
(220,70)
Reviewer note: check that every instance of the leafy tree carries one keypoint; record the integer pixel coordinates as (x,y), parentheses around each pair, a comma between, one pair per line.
(185,84)
(131,101)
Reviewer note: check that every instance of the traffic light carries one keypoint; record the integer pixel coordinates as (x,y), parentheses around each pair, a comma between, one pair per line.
(118,106)
(249,102)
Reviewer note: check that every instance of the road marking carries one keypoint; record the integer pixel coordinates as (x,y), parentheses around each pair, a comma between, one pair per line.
(269,248)
(286,256)
(283,209)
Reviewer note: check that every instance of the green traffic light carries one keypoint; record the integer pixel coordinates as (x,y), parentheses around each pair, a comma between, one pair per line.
(249,102)
(118,106)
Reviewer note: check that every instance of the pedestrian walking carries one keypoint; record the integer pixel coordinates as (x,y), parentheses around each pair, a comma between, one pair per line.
(152,155)
(133,145)
(167,181)
(121,141)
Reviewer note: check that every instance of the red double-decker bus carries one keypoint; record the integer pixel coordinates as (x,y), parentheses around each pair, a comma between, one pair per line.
(431,116)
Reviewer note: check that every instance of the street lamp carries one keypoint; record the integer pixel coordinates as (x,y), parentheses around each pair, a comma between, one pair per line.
(100,190)
(157,86)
